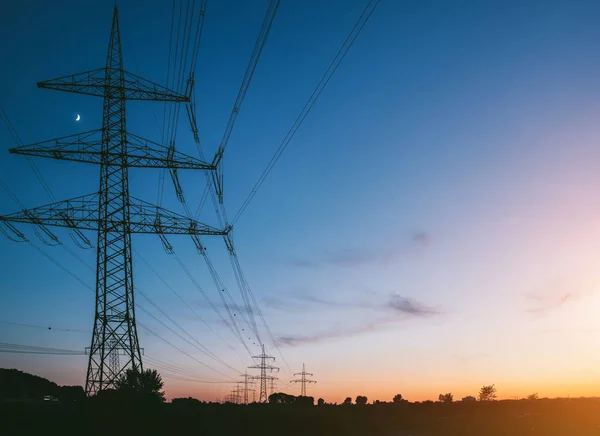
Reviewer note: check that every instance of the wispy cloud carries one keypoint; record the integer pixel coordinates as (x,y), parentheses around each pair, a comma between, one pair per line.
(358,256)
(549,304)
(395,307)
(421,239)
(351,257)
(296,340)
(410,307)
(557,294)
(301,300)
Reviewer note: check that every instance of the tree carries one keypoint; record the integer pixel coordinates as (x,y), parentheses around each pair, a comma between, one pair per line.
(533,396)
(320,402)
(146,385)
(282,398)
(487,393)
(397,398)
(347,401)
(305,401)
(185,402)
(361,400)
(469,398)
(446,398)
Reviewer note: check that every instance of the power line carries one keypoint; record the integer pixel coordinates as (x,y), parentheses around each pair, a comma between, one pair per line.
(43,327)
(86,285)
(30,349)
(333,66)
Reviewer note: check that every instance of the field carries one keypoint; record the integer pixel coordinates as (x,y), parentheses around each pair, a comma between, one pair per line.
(564,417)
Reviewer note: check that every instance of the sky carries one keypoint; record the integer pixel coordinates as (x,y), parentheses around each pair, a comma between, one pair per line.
(432,227)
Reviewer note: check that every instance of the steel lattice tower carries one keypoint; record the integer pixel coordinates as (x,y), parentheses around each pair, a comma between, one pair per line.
(246,390)
(111,211)
(303,380)
(263,377)
(113,357)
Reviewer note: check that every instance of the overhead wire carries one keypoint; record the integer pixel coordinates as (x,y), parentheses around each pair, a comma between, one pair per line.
(75,276)
(30,349)
(19,324)
(333,66)
(199,346)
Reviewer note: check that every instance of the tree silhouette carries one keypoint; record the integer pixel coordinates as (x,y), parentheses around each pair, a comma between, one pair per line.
(534,396)
(469,398)
(145,385)
(397,398)
(320,402)
(446,398)
(305,401)
(361,400)
(347,401)
(487,393)
(283,398)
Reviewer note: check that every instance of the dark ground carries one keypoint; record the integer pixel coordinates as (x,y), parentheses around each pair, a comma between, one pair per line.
(564,417)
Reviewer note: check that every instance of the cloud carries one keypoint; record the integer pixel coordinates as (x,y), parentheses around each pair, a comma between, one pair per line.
(410,307)
(296,340)
(558,293)
(401,309)
(355,256)
(347,257)
(421,239)
(550,304)
(303,301)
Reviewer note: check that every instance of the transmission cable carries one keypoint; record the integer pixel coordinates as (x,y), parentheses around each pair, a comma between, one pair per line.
(333,66)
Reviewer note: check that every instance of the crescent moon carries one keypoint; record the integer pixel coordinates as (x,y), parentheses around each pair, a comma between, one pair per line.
(78,117)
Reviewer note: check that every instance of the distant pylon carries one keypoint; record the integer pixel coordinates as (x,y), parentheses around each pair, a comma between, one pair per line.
(113,357)
(303,380)
(246,390)
(263,377)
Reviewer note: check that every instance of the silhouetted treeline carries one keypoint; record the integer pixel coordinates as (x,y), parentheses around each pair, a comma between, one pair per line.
(577,417)
(18,385)
(130,410)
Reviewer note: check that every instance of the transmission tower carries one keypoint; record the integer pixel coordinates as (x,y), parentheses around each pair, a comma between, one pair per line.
(303,380)
(272,385)
(263,366)
(246,390)
(113,357)
(111,211)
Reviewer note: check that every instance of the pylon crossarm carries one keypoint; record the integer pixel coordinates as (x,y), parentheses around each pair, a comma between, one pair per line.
(87,147)
(144,216)
(82,213)
(94,82)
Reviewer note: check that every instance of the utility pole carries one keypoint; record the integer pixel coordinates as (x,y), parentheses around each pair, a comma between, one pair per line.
(303,380)
(111,211)
(263,366)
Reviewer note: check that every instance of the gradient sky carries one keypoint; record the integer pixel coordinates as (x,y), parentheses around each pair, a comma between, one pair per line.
(434,225)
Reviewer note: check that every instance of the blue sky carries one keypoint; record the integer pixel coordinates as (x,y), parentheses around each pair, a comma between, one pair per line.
(439,198)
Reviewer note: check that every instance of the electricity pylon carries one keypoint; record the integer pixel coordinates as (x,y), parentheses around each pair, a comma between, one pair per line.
(246,390)
(263,377)
(113,357)
(303,380)
(111,211)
